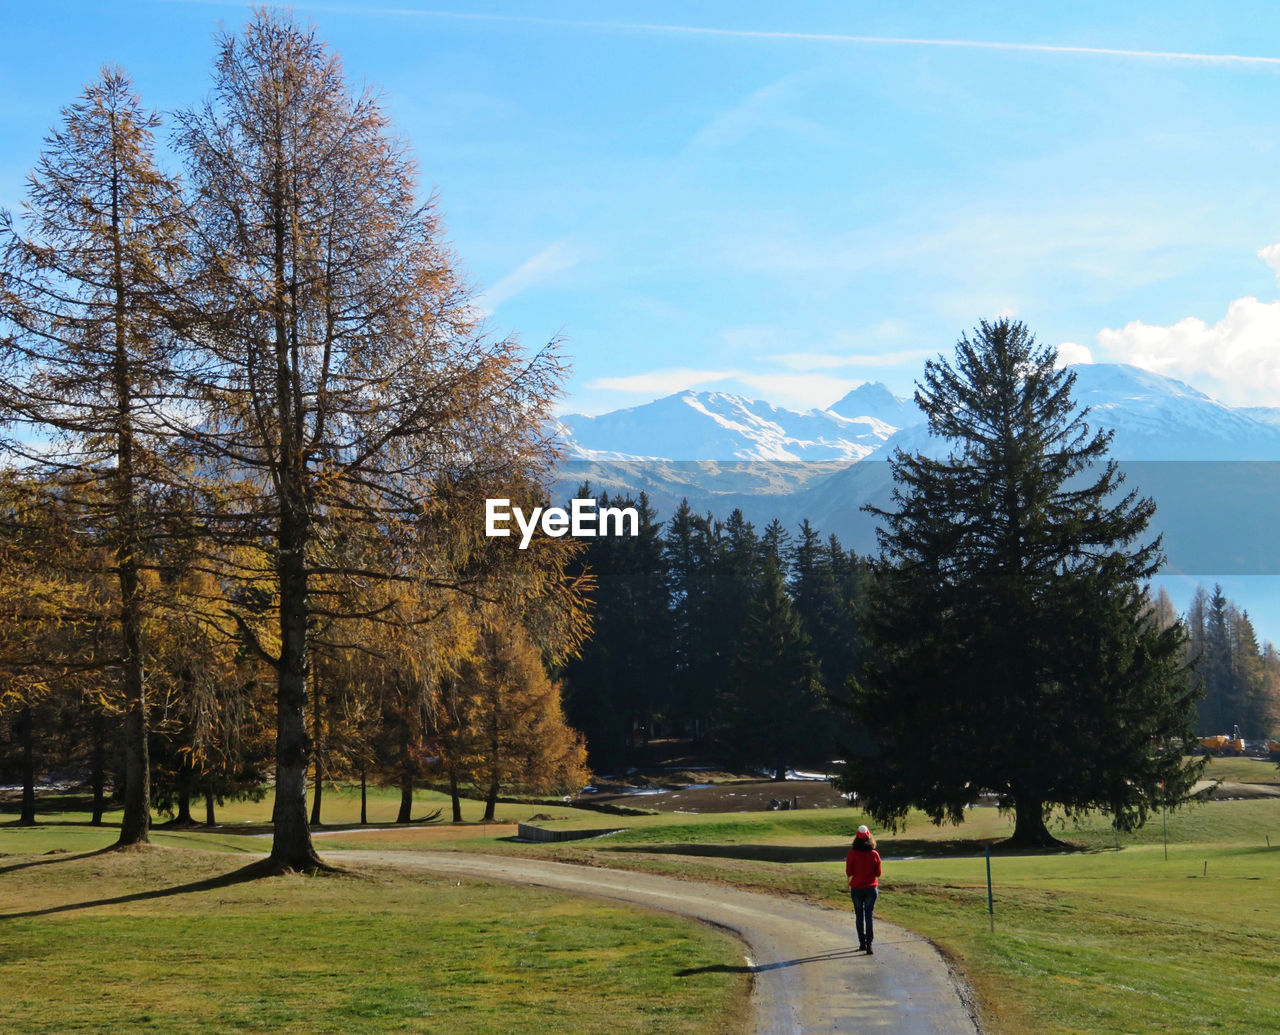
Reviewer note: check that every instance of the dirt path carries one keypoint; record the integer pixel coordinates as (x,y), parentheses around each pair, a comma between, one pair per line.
(808,975)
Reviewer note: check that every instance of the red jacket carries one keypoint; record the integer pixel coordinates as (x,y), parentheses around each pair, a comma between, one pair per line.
(862,867)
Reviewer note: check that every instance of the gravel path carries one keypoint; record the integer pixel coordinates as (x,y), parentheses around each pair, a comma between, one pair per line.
(807,973)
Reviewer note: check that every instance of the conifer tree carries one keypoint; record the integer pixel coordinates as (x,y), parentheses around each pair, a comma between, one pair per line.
(512,730)
(770,708)
(340,366)
(775,542)
(689,551)
(1229,664)
(620,685)
(1011,645)
(825,584)
(85,373)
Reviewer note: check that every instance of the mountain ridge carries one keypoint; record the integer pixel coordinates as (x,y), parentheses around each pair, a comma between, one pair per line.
(1154,417)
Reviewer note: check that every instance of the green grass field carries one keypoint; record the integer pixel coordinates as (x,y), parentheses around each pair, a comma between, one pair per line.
(180,941)
(1110,937)
(1098,939)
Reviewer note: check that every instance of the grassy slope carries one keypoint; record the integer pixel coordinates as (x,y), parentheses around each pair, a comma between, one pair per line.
(93,946)
(1098,940)
(1095,940)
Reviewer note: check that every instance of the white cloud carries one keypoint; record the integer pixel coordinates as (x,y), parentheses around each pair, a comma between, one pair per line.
(660,382)
(1271,256)
(835,361)
(555,258)
(1239,353)
(1069,352)
(800,391)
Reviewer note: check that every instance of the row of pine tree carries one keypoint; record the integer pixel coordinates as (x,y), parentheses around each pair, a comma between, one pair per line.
(1241,679)
(739,639)
(744,641)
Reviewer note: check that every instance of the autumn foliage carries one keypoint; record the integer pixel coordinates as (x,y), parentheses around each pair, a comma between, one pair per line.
(251,412)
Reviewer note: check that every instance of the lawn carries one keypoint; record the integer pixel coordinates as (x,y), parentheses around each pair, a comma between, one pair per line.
(184,940)
(1098,939)
(1113,936)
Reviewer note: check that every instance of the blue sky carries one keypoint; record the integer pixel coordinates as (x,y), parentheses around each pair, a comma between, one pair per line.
(788,200)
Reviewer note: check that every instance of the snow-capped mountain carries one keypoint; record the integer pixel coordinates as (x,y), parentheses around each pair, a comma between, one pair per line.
(722,452)
(1154,418)
(1159,418)
(873,400)
(717,426)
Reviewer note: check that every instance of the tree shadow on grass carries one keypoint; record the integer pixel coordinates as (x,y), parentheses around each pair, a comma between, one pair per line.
(56,855)
(54,804)
(254,871)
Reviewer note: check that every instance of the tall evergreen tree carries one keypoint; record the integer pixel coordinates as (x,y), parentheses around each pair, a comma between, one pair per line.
(771,709)
(825,616)
(1229,665)
(1011,645)
(621,684)
(1219,707)
(690,551)
(775,541)
(1246,673)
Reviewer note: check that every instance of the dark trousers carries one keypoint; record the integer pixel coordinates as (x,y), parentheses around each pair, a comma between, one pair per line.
(864,904)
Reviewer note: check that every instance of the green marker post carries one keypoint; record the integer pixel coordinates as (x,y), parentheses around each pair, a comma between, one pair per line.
(991,902)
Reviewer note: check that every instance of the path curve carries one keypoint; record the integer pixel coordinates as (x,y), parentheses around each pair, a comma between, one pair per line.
(807,973)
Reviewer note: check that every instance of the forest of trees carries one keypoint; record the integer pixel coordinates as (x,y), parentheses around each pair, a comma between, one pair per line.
(1241,679)
(676,652)
(250,418)
(740,639)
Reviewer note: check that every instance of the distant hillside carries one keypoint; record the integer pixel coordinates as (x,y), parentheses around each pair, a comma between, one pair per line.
(1153,417)
(724,451)
(718,426)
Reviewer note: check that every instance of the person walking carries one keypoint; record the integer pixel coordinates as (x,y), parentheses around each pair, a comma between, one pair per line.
(862,867)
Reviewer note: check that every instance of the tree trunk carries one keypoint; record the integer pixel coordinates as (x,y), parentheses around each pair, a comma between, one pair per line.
(209,819)
(183,818)
(315,801)
(25,722)
(405,815)
(495,748)
(491,799)
(406,777)
(316,748)
(98,767)
(1029,830)
(135,823)
(291,846)
(364,798)
(454,796)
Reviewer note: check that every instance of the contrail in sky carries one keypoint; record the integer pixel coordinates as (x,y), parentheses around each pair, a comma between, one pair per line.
(803,37)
